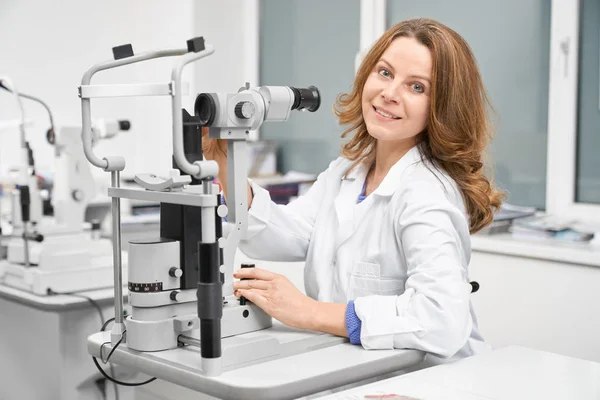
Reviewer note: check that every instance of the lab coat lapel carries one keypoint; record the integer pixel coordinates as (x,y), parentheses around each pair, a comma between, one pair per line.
(345,203)
(361,210)
(349,213)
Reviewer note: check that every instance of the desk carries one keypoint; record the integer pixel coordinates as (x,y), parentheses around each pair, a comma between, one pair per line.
(43,346)
(510,373)
(300,374)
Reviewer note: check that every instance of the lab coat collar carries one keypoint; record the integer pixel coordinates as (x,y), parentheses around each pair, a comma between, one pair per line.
(358,173)
(392,180)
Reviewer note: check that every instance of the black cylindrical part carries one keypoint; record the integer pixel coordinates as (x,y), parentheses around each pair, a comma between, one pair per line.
(306,98)
(210,299)
(208,259)
(243,300)
(210,338)
(25,199)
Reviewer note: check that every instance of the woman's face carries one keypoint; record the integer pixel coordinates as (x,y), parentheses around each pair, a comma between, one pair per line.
(396,95)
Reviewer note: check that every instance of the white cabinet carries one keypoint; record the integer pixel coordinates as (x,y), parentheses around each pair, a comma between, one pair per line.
(544,295)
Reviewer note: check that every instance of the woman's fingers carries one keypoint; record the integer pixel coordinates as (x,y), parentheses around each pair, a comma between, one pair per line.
(254,296)
(254,273)
(250,284)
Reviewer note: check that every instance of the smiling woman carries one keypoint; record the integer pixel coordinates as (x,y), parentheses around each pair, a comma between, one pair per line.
(395,102)
(420,85)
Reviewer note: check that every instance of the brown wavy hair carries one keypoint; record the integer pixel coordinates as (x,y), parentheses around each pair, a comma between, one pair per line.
(458,128)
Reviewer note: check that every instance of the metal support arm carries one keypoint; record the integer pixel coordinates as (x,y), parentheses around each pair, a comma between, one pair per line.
(111,163)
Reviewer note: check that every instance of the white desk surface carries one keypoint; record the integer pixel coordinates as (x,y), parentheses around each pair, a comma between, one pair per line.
(290,377)
(58,302)
(509,373)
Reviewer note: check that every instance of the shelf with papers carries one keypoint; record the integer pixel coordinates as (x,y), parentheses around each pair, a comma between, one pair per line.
(587,253)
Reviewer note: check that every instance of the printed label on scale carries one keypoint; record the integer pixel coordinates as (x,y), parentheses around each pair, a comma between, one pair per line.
(145,287)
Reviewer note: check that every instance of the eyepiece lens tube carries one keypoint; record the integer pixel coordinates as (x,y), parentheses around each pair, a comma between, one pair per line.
(205,108)
(306,98)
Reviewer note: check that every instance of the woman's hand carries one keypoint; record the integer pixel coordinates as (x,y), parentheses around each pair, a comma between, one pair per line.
(276,296)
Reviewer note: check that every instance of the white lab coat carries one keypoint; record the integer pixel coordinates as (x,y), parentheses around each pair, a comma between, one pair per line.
(401,254)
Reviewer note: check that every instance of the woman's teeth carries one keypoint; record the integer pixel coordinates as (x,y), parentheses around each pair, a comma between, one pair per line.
(383,113)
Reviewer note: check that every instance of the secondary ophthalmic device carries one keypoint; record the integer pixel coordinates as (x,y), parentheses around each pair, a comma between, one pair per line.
(55,254)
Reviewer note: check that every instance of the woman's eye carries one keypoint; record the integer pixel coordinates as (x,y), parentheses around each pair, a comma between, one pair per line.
(417,87)
(384,72)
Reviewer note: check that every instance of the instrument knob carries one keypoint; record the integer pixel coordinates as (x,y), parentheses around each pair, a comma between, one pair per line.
(175,272)
(244,110)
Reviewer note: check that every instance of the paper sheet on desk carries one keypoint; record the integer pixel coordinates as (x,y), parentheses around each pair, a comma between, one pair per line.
(381,396)
(405,388)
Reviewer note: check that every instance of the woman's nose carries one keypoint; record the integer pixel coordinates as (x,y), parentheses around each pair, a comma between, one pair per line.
(391,94)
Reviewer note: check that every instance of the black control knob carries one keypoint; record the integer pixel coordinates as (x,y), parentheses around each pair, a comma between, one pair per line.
(244,110)
(96,225)
(36,237)
(174,295)
(175,272)
(124,125)
(243,300)
(51,136)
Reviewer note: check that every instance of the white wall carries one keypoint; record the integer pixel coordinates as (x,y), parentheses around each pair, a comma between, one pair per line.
(225,24)
(47,46)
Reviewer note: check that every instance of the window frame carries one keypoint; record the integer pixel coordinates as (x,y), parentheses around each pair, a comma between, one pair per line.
(562,117)
(373,24)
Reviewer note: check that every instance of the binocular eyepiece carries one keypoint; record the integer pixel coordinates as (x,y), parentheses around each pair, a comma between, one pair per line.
(306,99)
(277,101)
